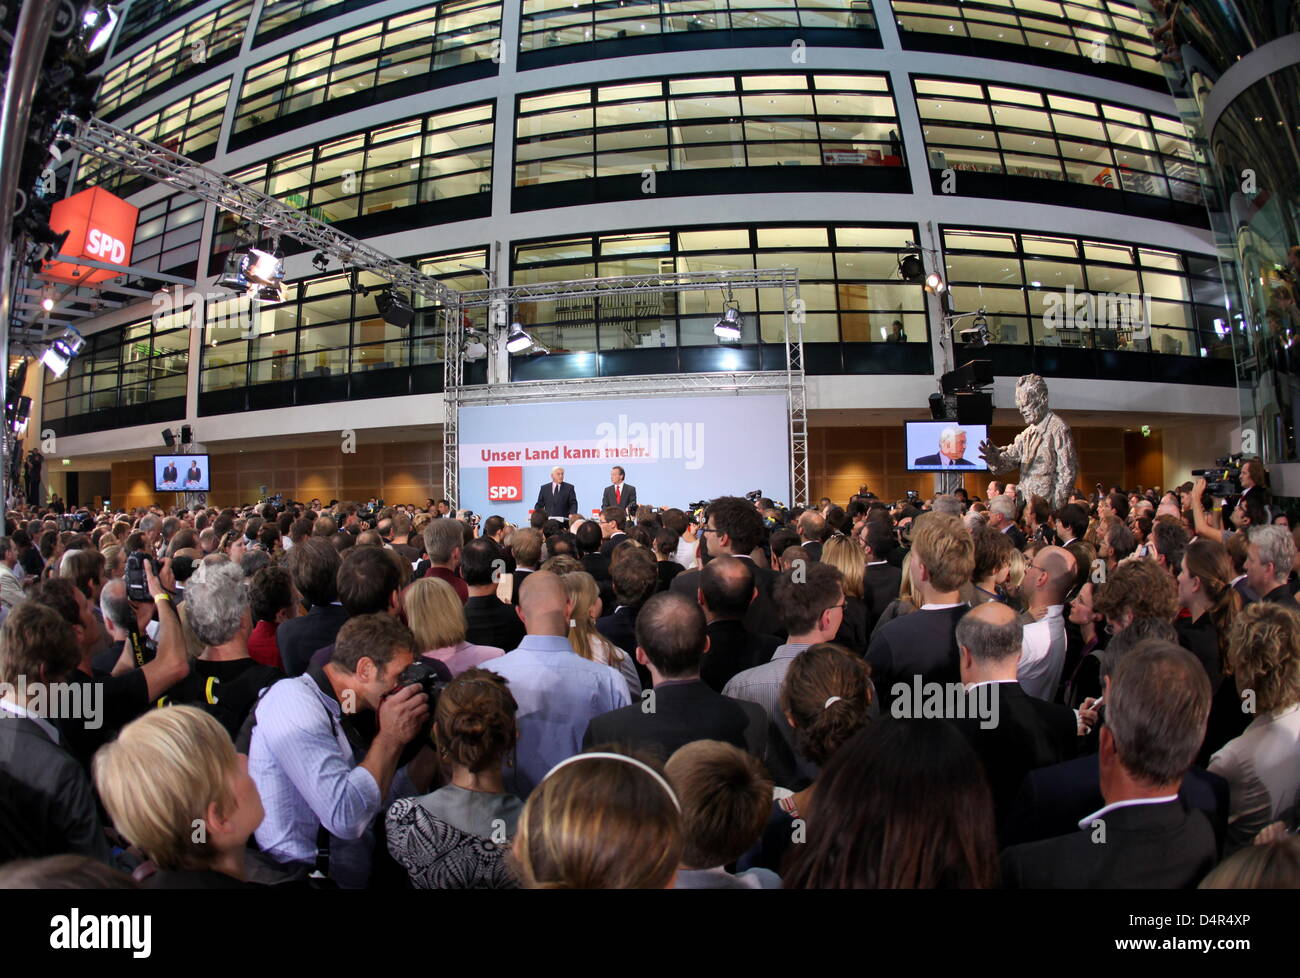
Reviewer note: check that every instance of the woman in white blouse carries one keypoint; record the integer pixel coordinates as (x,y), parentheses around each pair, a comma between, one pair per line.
(1262,766)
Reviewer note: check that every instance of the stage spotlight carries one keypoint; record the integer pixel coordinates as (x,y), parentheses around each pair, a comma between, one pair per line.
(47,303)
(59,354)
(935,283)
(731,324)
(42,233)
(234,275)
(169,439)
(22,415)
(911,268)
(321,261)
(395,308)
(978,334)
(268,293)
(518,340)
(99,27)
(264,267)
(55,360)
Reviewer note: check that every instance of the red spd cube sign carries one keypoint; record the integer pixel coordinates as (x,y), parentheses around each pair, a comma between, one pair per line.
(505,483)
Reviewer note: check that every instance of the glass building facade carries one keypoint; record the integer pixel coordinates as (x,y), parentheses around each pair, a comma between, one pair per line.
(1026,149)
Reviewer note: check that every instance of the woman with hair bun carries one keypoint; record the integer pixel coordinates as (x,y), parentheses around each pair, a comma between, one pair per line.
(827,697)
(456,838)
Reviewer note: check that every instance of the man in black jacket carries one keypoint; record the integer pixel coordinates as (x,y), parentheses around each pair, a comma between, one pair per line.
(635,579)
(488,619)
(882,579)
(1157,701)
(670,642)
(557,498)
(733,526)
(1268,565)
(47,806)
(314,565)
(1023,732)
(923,644)
(726,590)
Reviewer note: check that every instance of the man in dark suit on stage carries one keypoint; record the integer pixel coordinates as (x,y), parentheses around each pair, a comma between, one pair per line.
(169,472)
(1157,701)
(195,474)
(733,526)
(1012,732)
(619,493)
(952,446)
(557,498)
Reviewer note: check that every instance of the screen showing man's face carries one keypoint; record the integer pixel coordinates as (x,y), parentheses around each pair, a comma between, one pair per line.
(955,446)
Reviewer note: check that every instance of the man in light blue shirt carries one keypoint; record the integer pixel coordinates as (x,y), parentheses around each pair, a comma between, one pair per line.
(557,690)
(309,763)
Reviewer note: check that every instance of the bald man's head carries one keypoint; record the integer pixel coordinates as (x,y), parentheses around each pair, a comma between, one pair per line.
(990,632)
(543,604)
(1058,571)
(727,587)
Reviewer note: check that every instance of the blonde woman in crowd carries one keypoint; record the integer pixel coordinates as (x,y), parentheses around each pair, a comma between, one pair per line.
(436,618)
(586,641)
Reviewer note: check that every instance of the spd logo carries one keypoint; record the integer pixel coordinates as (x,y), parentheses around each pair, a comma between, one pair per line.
(505,483)
(100,244)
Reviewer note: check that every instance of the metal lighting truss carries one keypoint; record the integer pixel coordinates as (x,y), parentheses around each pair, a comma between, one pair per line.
(789,381)
(157,163)
(154,162)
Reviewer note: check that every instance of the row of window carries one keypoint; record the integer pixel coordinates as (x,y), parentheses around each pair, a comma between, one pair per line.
(323,330)
(553,23)
(1100,30)
(1028,132)
(719,121)
(208,40)
(190,126)
(415,161)
(1031,288)
(457,32)
(122,367)
(408,45)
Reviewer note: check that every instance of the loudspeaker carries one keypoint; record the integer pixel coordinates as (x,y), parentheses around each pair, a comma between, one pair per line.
(938,410)
(168,438)
(187,434)
(974,407)
(976,373)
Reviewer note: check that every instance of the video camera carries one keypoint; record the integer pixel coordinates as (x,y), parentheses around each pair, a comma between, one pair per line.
(754,496)
(137,585)
(1224,479)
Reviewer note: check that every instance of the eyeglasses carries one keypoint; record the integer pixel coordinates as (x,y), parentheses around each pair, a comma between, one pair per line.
(709,529)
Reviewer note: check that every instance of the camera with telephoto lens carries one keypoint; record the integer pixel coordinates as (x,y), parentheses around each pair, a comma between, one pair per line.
(137,585)
(754,496)
(1224,479)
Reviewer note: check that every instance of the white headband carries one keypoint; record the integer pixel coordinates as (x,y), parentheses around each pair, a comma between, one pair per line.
(831,700)
(606,756)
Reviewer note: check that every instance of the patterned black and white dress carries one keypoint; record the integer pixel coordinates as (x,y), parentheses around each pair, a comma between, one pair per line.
(454,839)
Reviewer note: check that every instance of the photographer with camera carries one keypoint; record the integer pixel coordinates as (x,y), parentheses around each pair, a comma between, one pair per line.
(321,779)
(1231,476)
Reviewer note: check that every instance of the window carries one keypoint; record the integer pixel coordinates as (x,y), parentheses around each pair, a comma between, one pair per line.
(210,39)
(1095,29)
(554,23)
(144,16)
(281,16)
(1065,292)
(745,120)
(404,46)
(995,129)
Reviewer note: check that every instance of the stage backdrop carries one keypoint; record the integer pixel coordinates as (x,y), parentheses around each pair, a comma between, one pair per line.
(676,450)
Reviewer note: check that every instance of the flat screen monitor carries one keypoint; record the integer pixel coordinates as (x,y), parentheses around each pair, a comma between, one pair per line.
(181,473)
(936,446)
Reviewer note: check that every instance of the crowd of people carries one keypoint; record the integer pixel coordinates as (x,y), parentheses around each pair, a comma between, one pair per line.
(958,692)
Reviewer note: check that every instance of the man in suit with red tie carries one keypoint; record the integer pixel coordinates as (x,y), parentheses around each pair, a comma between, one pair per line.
(619,493)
